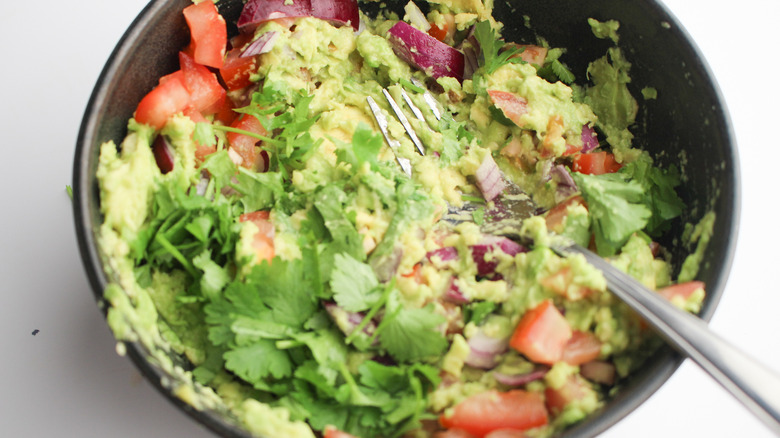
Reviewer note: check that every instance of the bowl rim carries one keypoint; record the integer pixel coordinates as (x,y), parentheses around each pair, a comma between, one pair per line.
(665,362)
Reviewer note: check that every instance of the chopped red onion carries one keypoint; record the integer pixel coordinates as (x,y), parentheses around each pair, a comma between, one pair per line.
(566,186)
(163,154)
(520,379)
(489,179)
(256,12)
(485,350)
(426,52)
(416,17)
(454,294)
(346,321)
(488,245)
(446,254)
(589,139)
(263,44)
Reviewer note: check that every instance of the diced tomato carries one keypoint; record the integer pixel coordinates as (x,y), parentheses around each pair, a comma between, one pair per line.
(165,100)
(554,133)
(247,146)
(512,105)
(682,290)
(596,163)
(453,433)
(555,216)
(532,54)
(575,388)
(206,93)
(263,242)
(562,283)
(236,71)
(332,432)
(490,411)
(440,33)
(208,33)
(225,113)
(582,347)
(542,334)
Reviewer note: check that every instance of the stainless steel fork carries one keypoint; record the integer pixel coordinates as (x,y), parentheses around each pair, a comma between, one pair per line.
(753,384)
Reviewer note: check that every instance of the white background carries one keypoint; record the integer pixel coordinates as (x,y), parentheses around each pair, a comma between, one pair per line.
(67,381)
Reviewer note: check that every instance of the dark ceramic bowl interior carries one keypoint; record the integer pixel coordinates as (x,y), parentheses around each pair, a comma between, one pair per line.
(688,115)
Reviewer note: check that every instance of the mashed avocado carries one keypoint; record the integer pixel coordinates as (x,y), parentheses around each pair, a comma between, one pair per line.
(327,288)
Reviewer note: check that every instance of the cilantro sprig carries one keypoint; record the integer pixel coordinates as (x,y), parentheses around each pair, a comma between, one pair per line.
(638,197)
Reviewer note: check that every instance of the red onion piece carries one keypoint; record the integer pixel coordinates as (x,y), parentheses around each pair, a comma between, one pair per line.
(346,321)
(446,254)
(488,245)
(416,17)
(489,179)
(589,139)
(454,294)
(263,44)
(520,379)
(566,185)
(426,52)
(339,12)
(485,350)
(163,154)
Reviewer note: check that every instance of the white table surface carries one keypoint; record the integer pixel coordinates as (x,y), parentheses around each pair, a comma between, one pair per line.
(67,380)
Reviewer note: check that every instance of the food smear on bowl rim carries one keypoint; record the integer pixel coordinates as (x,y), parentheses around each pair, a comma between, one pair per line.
(257,224)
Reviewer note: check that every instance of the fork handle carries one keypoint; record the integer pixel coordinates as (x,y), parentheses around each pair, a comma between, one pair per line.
(752,383)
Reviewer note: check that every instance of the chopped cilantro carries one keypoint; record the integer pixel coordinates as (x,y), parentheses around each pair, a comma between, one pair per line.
(411,334)
(354,284)
(494,52)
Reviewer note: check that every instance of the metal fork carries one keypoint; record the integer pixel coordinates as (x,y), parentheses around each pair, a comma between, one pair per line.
(753,384)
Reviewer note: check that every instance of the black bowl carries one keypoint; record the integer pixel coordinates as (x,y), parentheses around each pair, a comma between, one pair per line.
(688,115)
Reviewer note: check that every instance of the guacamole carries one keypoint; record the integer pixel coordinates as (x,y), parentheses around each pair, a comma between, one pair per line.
(294,270)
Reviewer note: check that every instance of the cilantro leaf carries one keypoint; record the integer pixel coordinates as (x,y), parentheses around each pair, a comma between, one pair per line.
(214,277)
(258,361)
(616,206)
(411,334)
(365,146)
(330,202)
(660,194)
(285,289)
(354,284)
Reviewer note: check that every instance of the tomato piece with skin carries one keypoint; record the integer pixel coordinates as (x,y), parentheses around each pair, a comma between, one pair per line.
(263,242)
(206,93)
(246,146)
(208,34)
(542,334)
(490,411)
(531,54)
(168,98)
(582,347)
(596,163)
(332,432)
(555,216)
(236,71)
(512,105)
(682,290)
(574,388)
